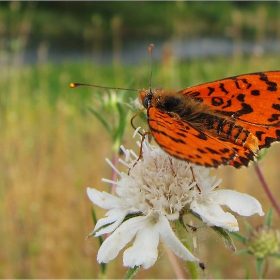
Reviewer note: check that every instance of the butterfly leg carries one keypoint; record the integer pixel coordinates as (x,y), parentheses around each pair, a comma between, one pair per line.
(194,180)
(141,146)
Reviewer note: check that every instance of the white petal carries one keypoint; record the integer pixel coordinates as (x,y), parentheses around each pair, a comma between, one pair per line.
(213,215)
(171,240)
(119,238)
(115,219)
(103,199)
(144,250)
(241,203)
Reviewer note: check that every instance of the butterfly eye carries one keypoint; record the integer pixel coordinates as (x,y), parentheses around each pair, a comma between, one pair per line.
(146,101)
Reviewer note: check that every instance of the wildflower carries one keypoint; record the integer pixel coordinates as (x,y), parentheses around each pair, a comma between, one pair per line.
(154,192)
(263,241)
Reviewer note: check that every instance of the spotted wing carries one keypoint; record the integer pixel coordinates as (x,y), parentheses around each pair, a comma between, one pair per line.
(253,100)
(182,140)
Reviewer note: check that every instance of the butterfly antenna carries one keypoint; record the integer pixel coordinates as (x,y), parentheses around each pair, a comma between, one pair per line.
(73,85)
(151,61)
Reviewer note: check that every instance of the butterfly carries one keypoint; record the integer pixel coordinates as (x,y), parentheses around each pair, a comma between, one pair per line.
(224,122)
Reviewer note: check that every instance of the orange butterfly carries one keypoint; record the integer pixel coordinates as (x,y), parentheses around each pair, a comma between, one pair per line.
(224,122)
(221,122)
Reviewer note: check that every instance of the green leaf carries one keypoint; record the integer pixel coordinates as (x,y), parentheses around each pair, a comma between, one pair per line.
(99,117)
(259,263)
(93,216)
(238,237)
(276,255)
(243,252)
(247,274)
(261,154)
(248,226)
(268,219)
(117,137)
(103,266)
(224,234)
(131,272)
(100,238)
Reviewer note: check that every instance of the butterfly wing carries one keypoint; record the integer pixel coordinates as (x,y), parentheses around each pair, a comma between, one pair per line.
(183,141)
(253,100)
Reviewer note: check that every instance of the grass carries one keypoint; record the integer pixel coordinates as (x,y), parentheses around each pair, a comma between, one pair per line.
(52,148)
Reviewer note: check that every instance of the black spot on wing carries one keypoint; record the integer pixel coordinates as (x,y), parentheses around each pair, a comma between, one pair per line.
(223,89)
(268,140)
(212,151)
(276,106)
(202,151)
(228,104)
(244,160)
(272,86)
(181,134)
(225,150)
(236,82)
(217,101)
(240,97)
(274,117)
(215,162)
(246,109)
(158,131)
(211,90)
(259,134)
(255,92)
(245,81)
(225,160)
(194,93)
(201,136)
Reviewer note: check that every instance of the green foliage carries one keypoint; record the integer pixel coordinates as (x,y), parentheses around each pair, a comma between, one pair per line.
(131,272)
(225,236)
(262,242)
(155,19)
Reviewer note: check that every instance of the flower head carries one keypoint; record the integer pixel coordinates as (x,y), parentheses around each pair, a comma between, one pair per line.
(263,241)
(154,192)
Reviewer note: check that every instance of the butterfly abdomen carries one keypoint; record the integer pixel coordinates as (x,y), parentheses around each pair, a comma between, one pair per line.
(228,130)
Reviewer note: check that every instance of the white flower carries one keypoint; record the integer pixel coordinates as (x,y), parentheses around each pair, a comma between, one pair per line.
(153,193)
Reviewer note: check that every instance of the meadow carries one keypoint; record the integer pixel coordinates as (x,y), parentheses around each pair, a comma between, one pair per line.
(53,147)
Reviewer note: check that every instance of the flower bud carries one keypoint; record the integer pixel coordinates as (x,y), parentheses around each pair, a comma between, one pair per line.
(263,241)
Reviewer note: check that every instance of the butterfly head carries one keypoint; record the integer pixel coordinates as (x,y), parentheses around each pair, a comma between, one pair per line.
(146,96)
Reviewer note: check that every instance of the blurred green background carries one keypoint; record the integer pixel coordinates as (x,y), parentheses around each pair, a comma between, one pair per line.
(52,147)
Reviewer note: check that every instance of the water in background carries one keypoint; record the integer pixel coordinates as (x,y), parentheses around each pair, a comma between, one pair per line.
(135,52)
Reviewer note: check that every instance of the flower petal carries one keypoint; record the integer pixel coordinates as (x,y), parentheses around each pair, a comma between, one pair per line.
(144,250)
(114,219)
(241,203)
(103,199)
(172,242)
(118,239)
(213,215)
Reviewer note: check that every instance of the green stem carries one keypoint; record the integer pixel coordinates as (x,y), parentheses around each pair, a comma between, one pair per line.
(131,272)
(182,234)
(193,270)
